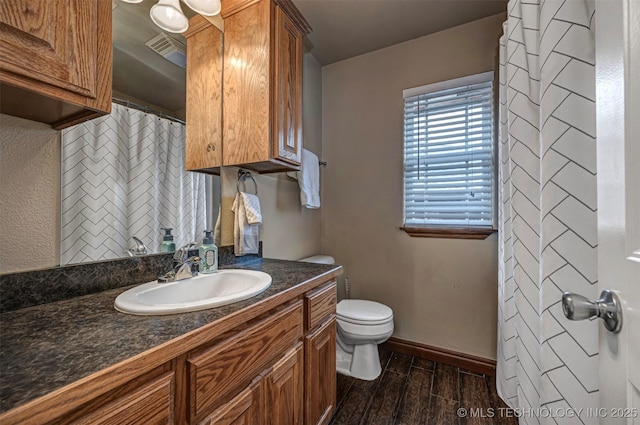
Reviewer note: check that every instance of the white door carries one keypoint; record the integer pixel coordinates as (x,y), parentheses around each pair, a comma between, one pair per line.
(618,149)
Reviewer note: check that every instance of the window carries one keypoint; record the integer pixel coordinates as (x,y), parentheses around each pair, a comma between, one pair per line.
(449,177)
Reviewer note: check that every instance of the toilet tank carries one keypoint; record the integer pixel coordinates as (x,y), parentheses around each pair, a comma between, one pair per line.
(319,259)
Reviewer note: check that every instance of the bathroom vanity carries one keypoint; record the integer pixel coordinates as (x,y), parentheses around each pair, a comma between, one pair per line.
(266,360)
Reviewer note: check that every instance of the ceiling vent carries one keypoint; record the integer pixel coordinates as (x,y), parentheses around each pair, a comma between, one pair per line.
(169,48)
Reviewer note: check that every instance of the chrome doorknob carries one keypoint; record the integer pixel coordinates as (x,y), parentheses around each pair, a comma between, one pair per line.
(608,308)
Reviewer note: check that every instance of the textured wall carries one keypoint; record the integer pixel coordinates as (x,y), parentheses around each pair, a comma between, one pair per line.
(443,291)
(29,194)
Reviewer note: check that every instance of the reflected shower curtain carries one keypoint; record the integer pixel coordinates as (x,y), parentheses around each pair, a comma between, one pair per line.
(123,176)
(547,365)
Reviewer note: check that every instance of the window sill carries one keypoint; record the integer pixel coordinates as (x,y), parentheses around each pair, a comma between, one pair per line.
(448,233)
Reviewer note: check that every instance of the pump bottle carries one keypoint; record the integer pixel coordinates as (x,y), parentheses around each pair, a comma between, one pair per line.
(167,245)
(208,254)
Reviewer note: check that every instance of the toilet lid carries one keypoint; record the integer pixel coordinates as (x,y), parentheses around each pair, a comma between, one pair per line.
(364,312)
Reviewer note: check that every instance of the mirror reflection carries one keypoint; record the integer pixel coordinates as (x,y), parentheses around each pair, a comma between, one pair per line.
(121,178)
(124,190)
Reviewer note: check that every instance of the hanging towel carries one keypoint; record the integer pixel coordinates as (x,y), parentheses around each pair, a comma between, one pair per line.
(252,208)
(246,224)
(217,233)
(309,180)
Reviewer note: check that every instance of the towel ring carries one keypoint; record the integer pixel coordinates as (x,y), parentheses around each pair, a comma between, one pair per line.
(242,177)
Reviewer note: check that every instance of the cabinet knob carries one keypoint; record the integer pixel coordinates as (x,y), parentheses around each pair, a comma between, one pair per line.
(211,147)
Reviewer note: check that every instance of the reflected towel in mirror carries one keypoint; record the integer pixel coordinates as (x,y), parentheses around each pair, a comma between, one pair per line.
(246,224)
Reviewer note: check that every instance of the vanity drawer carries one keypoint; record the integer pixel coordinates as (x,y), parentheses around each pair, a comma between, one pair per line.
(320,304)
(233,363)
(150,404)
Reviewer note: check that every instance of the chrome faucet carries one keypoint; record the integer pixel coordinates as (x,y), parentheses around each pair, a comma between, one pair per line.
(184,267)
(184,270)
(182,254)
(139,249)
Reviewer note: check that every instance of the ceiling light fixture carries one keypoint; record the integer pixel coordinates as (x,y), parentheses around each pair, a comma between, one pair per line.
(167,14)
(204,7)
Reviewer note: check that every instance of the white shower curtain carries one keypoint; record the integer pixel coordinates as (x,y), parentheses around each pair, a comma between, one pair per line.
(123,176)
(547,365)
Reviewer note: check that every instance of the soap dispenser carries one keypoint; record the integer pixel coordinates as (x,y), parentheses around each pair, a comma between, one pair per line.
(167,245)
(208,254)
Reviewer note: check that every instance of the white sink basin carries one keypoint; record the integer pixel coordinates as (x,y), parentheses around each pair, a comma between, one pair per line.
(197,293)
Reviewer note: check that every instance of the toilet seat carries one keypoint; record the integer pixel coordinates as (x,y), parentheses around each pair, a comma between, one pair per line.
(363,312)
(319,259)
(362,332)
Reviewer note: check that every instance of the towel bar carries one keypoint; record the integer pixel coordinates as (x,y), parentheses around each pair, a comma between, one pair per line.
(243,175)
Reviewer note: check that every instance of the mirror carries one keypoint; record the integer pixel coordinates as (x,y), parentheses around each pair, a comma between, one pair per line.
(151,190)
(142,76)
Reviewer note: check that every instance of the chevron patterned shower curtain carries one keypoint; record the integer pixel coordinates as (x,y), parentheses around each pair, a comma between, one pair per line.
(123,176)
(547,365)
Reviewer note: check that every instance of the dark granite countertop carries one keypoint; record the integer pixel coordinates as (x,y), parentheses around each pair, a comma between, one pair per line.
(48,346)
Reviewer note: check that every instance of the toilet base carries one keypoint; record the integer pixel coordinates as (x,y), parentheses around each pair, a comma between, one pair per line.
(366,366)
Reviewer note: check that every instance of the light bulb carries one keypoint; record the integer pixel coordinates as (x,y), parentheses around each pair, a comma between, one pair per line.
(168,15)
(204,7)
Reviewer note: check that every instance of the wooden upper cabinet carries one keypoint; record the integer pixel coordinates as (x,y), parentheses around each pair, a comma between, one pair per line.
(55,60)
(203,147)
(287,131)
(262,84)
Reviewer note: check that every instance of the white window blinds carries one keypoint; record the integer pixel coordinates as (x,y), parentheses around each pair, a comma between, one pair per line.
(449,153)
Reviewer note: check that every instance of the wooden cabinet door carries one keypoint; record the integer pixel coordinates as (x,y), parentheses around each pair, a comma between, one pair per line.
(217,371)
(320,374)
(287,138)
(284,390)
(51,41)
(246,84)
(203,146)
(56,60)
(244,409)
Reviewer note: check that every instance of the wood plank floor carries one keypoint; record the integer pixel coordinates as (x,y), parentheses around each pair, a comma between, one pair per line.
(412,391)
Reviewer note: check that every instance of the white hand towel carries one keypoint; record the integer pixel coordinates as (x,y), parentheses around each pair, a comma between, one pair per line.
(246,236)
(309,180)
(252,208)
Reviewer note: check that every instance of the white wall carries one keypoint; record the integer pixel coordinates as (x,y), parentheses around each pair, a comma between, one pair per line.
(29,195)
(443,291)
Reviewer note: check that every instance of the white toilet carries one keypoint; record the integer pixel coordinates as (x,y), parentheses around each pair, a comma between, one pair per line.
(362,325)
